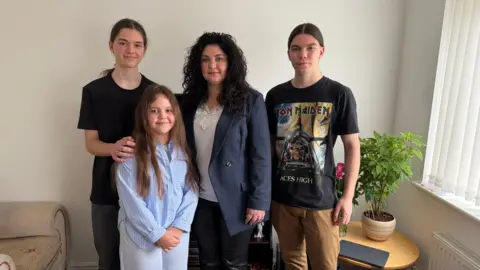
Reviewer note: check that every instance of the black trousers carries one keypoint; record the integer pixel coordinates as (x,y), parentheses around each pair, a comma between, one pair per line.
(106,236)
(218,250)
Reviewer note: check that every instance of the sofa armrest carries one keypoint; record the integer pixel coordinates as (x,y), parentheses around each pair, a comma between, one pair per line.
(6,262)
(24,219)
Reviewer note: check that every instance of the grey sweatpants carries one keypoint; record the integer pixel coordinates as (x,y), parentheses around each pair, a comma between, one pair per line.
(106,236)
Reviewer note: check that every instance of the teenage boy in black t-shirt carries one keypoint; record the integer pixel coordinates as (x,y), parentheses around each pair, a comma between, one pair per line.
(306,115)
(107,116)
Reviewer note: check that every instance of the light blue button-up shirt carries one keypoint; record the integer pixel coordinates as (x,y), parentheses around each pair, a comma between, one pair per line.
(146,219)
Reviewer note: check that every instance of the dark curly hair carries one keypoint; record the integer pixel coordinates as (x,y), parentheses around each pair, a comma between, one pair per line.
(235,87)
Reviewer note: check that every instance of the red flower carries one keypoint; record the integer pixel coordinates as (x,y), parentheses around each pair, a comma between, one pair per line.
(339,170)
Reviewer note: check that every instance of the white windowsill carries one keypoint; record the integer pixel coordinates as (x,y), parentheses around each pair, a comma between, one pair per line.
(468,209)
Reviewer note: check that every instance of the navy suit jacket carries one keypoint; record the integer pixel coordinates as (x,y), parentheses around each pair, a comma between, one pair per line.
(240,166)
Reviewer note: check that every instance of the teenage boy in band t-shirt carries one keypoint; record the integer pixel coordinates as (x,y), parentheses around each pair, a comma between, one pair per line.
(306,115)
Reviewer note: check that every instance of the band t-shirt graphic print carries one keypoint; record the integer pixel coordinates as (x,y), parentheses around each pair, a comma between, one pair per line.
(302,130)
(305,124)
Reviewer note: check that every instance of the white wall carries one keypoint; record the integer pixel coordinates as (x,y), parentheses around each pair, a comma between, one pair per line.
(418,213)
(50,49)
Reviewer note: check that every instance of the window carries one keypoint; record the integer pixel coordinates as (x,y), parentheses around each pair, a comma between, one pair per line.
(452,161)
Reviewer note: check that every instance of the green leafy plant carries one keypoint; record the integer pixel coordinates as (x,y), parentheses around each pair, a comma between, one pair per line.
(386,161)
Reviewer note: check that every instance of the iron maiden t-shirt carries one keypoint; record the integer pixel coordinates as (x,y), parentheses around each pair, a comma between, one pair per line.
(304,124)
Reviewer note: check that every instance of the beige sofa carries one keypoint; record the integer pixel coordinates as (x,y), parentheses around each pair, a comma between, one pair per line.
(33,235)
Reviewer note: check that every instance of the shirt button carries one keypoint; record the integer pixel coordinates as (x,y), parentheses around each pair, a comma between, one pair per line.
(228,164)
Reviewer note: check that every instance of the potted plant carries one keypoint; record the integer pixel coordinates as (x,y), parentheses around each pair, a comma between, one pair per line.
(385,162)
(339,187)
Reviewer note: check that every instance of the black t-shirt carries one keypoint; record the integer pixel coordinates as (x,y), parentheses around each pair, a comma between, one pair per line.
(109,109)
(306,123)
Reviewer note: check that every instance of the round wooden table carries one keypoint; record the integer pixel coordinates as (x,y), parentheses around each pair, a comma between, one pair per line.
(403,252)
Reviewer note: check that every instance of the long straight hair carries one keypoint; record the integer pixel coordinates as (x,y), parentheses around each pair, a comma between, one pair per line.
(145,141)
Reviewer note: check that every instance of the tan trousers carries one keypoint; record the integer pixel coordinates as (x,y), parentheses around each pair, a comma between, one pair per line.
(301,232)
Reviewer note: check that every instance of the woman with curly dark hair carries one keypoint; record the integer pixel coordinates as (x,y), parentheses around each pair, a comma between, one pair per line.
(227,129)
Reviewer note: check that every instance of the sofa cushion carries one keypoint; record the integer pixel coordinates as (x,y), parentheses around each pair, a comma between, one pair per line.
(31,253)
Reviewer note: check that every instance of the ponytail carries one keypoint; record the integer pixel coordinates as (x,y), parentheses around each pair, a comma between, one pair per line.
(106,72)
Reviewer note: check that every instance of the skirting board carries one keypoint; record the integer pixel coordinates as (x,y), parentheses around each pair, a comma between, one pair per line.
(83,266)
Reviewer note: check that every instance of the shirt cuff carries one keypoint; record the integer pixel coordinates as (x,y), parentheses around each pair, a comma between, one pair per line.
(156,234)
(179,224)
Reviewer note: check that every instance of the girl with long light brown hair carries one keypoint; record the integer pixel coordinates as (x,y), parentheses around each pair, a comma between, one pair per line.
(157,188)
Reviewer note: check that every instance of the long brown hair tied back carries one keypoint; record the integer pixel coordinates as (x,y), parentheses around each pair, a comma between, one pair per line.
(122,24)
(144,140)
